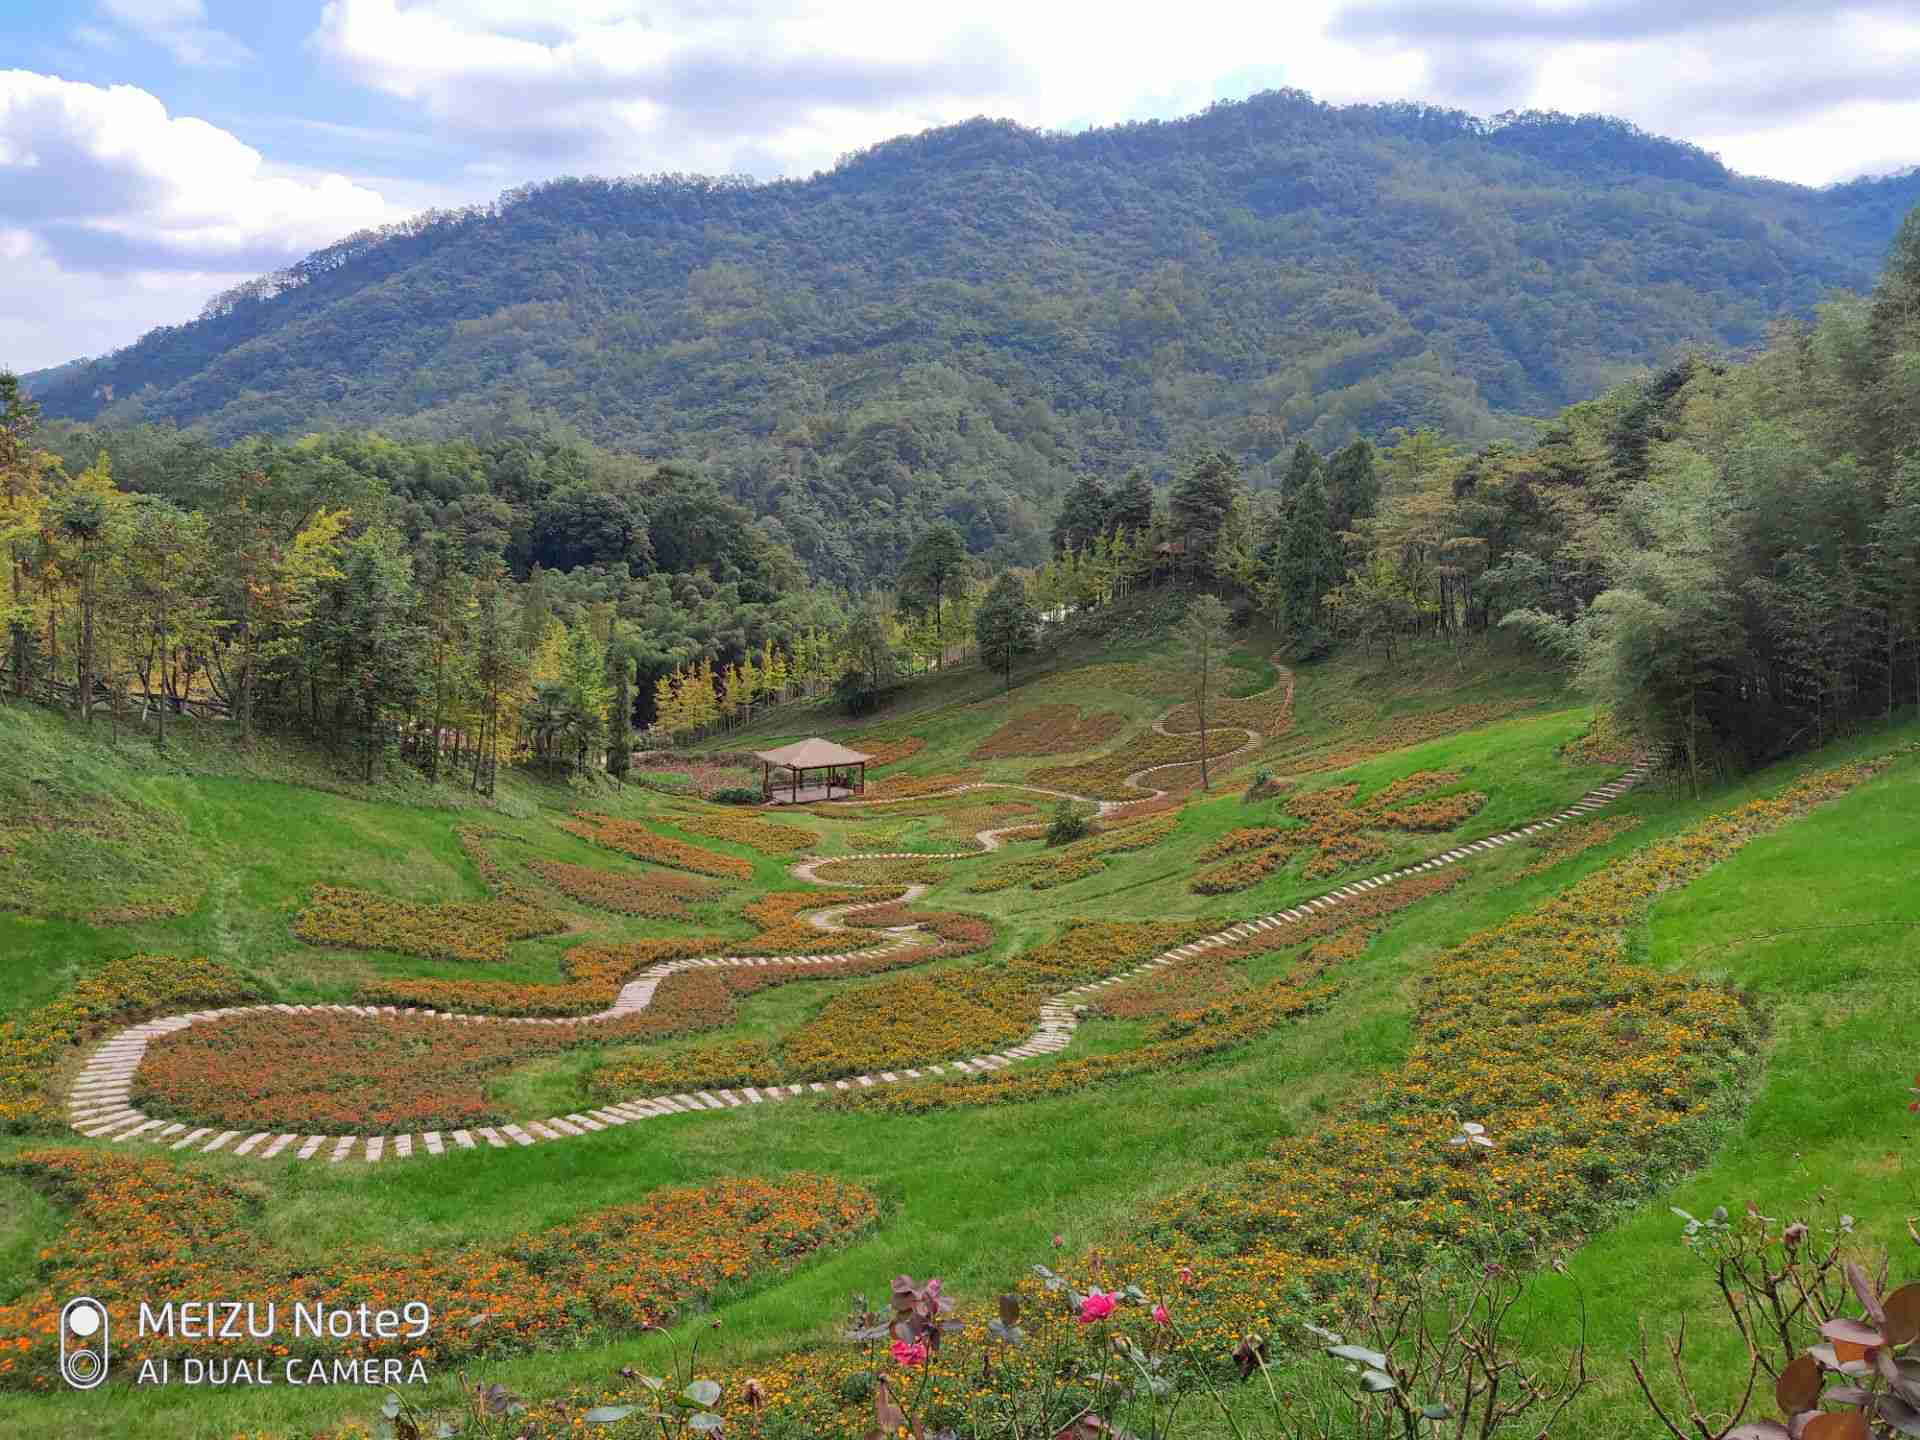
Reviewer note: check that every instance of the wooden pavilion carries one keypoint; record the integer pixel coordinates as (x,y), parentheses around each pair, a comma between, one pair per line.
(845,772)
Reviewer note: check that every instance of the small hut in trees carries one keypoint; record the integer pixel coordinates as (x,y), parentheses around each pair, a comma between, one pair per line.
(813,769)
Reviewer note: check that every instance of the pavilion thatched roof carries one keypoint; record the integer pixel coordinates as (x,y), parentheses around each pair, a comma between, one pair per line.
(812,754)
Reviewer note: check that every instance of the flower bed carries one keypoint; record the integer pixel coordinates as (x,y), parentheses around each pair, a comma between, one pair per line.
(910,1020)
(884,749)
(630,837)
(502,881)
(1076,861)
(1338,833)
(717,1064)
(888,870)
(740,1062)
(654,894)
(1050,730)
(1597,1080)
(1177,1040)
(1105,777)
(1242,841)
(1606,742)
(1156,682)
(611,1272)
(908,787)
(117,993)
(1331,936)
(597,971)
(1570,840)
(1399,733)
(478,930)
(755,833)
(959,819)
(327,1072)
(1270,712)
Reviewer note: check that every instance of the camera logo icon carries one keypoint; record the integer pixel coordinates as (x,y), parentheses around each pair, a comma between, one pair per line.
(83,1342)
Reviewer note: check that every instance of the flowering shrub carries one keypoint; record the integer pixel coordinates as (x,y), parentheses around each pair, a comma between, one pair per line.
(117,993)
(1570,840)
(1050,730)
(630,837)
(614,1271)
(749,830)
(1075,861)
(655,894)
(1105,776)
(461,930)
(1337,833)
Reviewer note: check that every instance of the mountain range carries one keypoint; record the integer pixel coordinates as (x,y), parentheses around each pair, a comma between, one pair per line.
(958,322)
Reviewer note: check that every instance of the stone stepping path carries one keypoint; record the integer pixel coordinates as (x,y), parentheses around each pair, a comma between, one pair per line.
(99,1106)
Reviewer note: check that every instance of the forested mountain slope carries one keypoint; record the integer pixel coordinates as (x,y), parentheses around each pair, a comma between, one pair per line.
(956,322)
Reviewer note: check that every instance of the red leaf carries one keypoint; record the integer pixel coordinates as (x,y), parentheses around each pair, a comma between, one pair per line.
(1798,1387)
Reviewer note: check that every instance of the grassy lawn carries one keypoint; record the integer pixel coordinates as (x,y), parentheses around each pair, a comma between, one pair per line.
(975,1195)
(1820,922)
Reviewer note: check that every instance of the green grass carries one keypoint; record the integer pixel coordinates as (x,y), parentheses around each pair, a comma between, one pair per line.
(1820,922)
(973,1196)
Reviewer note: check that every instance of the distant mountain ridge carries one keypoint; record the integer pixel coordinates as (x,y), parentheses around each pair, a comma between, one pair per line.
(955,322)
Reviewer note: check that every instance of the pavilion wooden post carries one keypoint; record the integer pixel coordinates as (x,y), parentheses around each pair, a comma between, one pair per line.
(794,770)
(766,781)
(863,778)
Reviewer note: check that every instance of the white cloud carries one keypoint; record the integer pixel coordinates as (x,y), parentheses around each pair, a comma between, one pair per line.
(180,28)
(120,216)
(111,181)
(50,313)
(789,85)
(772,86)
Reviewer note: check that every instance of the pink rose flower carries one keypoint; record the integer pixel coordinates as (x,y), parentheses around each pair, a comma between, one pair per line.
(1095,1307)
(1160,1316)
(909,1353)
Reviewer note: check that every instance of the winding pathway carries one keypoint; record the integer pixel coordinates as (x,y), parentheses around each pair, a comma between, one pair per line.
(99,1103)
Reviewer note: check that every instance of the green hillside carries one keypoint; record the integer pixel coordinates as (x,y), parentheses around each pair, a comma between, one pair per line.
(1194,1124)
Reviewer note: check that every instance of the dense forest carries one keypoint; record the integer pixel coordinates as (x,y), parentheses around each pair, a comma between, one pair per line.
(1726,554)
(960,325)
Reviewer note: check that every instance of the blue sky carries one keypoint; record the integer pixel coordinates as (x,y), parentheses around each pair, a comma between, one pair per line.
(154,152)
